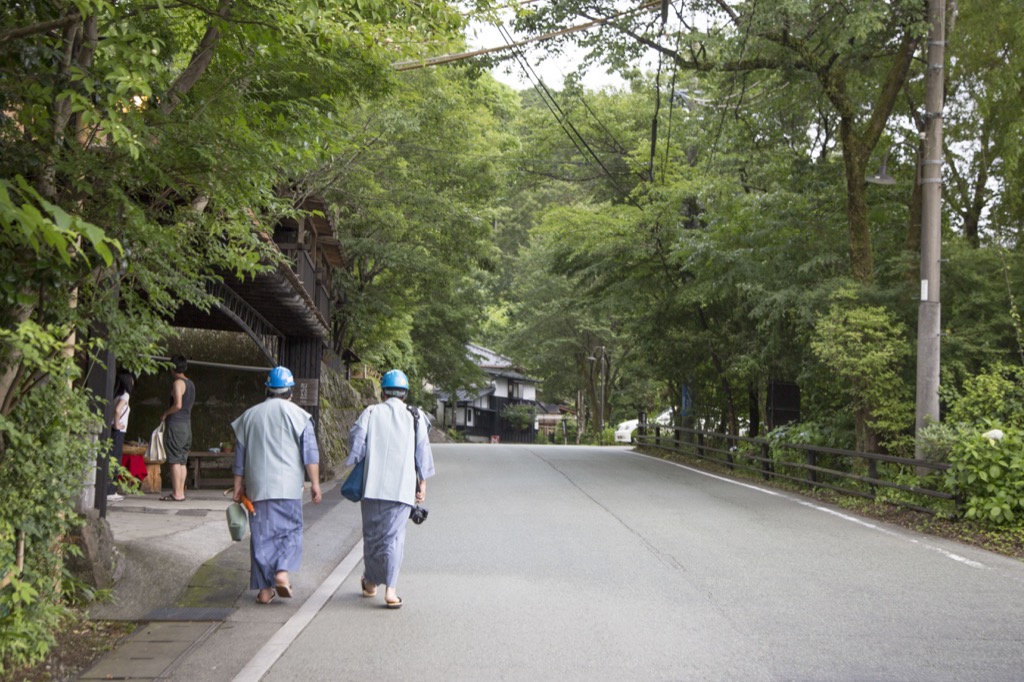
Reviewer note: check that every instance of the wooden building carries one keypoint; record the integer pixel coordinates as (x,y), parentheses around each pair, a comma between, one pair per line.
(480,413)
(285,311)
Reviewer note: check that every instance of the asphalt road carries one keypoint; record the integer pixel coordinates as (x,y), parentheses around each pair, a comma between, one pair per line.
(575,563)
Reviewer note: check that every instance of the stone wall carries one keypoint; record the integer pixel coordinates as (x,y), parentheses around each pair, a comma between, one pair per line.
(341,403)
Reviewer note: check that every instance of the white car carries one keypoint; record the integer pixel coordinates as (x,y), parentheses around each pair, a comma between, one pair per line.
(624,431)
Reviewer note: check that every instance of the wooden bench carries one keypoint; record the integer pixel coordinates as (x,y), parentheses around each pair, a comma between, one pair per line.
(197,461)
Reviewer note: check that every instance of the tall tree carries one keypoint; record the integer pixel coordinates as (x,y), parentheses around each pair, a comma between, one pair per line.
(413,194)
(142,148)
(983,121)
(852,58)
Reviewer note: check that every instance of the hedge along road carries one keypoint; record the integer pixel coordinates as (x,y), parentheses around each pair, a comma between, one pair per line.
(581,563)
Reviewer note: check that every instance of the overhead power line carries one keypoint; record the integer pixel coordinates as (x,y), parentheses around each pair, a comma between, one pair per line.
(561,117)
(448,58)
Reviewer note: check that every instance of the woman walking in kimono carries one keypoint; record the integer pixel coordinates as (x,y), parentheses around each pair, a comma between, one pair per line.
(393,439)
(274,441)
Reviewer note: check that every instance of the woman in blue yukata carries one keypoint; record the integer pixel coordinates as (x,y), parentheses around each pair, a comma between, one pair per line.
(274,442)
(393,439)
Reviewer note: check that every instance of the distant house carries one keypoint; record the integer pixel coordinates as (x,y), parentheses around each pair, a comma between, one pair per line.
(479,412)
(553,421)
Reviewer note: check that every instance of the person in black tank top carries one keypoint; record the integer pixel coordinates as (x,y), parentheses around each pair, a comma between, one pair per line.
(177,419)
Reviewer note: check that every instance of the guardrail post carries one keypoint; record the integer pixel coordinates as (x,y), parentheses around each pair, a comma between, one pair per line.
(730,444)
(873,475)
(700,444)
(765,465)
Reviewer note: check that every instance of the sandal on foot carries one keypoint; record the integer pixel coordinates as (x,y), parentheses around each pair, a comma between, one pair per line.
(171,498)
(269,599)
(368,589)
(393,604)
(284,590)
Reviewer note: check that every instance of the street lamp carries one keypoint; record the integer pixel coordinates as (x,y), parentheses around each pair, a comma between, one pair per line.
(600,412)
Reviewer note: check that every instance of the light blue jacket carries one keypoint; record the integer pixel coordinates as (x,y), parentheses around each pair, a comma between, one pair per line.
(270,435)
(384,434)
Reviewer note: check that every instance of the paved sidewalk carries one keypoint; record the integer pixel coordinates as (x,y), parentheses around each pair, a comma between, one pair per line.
(183,578)
(167,550)
(162,544)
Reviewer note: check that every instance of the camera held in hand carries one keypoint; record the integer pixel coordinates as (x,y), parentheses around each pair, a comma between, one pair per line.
(418,514)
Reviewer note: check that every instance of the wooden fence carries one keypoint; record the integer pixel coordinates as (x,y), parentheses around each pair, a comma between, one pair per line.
(845,471)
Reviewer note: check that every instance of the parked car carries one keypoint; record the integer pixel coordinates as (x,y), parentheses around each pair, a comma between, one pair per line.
(624,431)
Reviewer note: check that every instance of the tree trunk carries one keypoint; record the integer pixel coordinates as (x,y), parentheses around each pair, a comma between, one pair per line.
(200,61)
(855,153)
(730,402)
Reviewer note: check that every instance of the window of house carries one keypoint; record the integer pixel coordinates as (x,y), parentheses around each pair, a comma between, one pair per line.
(469,416)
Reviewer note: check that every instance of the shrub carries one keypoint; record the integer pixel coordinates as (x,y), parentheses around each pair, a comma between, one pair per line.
(520,415)
(807,433)
(996,395)
(865,348)
(936,441)
(987,474)
(49,442)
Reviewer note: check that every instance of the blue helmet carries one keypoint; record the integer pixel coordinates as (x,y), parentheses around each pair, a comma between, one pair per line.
(395,379)
(280,377)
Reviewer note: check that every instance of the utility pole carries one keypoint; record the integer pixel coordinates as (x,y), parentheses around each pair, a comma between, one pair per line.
(600,414)
(600,438)
(929,315)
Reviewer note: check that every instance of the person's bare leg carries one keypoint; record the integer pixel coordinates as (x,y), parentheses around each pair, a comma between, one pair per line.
(178,474)
(282,585)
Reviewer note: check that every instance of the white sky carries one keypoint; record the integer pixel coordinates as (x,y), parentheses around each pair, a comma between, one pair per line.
(552,70)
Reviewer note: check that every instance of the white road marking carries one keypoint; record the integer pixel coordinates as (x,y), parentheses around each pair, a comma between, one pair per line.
(267,656)
(846,517)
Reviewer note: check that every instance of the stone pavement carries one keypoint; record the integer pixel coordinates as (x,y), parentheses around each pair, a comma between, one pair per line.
(181,577)
(161,545)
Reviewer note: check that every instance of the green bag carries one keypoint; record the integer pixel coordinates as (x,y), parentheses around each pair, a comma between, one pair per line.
(238,521)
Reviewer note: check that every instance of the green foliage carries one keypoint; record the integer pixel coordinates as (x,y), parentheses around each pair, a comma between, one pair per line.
(53,235)
(906,477)
(987,474)
(571,431)
(936,441)
(986,470)
(50,442)
(520,415)
(608,435)
(993,396)
(865,347)
(808,433)
(145,151)
(411,193)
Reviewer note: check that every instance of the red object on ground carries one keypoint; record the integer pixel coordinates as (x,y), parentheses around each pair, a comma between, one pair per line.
(135,464)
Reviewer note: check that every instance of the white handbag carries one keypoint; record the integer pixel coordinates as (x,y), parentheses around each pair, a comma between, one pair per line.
(155,453)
